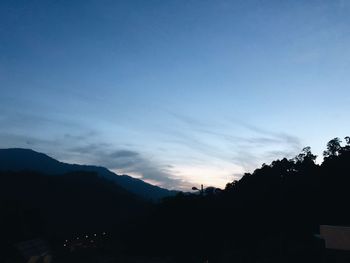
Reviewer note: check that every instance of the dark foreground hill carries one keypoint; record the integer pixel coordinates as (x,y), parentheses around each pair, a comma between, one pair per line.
(28,160)
(271,215)
(34,204)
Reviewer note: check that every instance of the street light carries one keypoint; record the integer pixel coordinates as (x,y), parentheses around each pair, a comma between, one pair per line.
(200,190)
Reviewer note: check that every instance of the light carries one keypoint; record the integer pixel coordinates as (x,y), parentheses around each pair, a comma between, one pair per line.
(200,190)
(86,236)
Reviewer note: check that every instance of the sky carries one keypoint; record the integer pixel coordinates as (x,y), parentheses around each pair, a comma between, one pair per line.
(177,93)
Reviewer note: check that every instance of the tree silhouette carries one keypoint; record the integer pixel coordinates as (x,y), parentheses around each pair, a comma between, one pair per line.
(333,148)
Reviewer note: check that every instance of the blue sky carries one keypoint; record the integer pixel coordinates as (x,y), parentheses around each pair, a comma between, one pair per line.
(178,93)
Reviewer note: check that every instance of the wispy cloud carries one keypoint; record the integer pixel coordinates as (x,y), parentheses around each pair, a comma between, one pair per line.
(130,162)
(103,154)
(238,142)
(192,150)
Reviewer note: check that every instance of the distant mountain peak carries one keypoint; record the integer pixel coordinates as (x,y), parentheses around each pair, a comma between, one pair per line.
(21,159)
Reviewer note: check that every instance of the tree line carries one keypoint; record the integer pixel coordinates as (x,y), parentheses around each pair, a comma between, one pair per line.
(269,215)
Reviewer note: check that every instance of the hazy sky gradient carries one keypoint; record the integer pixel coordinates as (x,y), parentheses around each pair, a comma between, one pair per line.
(174,92)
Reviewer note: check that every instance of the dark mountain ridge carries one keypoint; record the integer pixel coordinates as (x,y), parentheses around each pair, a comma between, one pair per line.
(19,159)
(79,206)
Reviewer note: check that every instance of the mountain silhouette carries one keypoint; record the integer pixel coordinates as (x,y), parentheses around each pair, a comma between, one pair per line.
(18,159)
(35,204)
